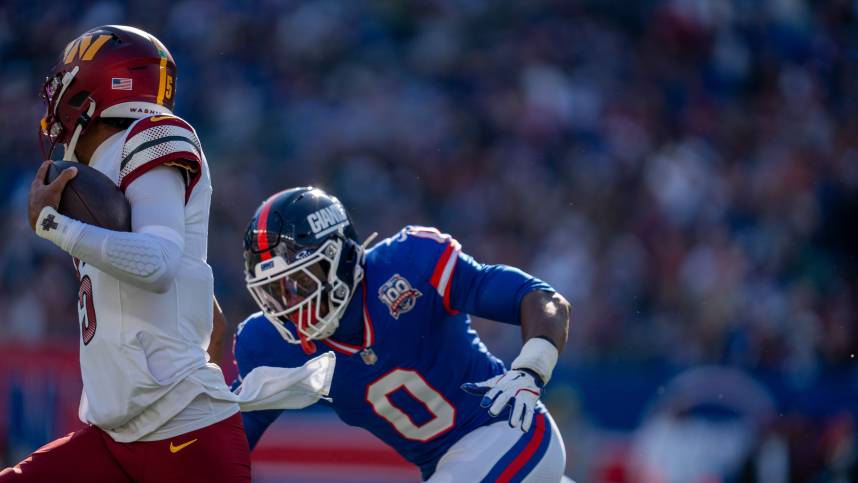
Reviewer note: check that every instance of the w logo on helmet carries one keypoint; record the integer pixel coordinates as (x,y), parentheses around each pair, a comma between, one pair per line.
(84,48)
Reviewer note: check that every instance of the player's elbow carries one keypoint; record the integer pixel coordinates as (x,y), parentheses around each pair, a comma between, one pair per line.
(556,313)
(564,312)
(159,285)
(158,280)
(560,306)
(546,314)
(162,273)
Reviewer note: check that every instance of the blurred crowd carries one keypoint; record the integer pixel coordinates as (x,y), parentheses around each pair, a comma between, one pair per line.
(685,172)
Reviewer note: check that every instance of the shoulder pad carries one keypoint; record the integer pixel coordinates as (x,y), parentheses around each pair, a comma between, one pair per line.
(160,140)
(252,321)
(430,254)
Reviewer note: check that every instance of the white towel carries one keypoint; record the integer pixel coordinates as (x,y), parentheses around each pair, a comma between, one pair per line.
(286,387)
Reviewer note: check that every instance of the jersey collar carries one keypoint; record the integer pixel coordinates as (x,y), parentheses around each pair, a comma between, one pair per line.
(368,333)
(109,148)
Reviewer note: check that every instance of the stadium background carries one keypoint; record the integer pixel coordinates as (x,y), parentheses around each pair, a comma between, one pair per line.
(685,172)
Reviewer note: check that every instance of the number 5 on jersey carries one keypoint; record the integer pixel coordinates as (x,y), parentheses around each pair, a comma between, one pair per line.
(443,413)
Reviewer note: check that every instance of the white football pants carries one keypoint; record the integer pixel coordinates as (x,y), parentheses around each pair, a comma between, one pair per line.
(498,452)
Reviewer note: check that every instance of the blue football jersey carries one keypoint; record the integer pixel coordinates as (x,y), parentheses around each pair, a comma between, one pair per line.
(402,381)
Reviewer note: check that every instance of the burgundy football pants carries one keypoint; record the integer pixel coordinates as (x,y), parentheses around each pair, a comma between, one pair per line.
(216,453)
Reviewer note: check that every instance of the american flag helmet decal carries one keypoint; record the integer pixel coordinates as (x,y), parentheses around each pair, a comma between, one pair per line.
(121,84)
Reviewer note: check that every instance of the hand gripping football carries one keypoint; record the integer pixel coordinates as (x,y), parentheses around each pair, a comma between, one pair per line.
(91,197)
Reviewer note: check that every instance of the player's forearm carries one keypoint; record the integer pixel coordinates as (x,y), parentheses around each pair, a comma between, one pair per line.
(141,259)
(546,315)
(146,261)
(220,327)
(544,327)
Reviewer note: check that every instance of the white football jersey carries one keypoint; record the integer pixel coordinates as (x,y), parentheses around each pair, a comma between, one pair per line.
(143,354)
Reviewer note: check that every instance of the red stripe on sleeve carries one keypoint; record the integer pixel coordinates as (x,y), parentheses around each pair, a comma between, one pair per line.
(439,267)
(450,310)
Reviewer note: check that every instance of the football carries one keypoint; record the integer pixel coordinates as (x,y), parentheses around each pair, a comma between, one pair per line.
(91,197)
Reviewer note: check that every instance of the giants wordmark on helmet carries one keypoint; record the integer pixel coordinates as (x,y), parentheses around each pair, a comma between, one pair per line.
(327,220)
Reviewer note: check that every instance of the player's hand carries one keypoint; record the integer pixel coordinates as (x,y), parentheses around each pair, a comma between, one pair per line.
(42,195)
(518,387)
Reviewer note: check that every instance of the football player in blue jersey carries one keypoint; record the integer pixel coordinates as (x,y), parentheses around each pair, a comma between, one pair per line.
(409,367)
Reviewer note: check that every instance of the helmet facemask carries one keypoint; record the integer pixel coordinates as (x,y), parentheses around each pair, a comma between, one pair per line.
(51,129)
(308,292)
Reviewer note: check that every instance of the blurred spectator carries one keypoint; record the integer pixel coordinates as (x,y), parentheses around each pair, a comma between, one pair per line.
(703,427)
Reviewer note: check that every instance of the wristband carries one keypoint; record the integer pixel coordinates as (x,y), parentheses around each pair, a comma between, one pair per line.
(538,355)
(60,229)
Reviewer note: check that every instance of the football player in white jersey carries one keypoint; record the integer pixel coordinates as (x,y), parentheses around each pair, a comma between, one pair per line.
(155,409)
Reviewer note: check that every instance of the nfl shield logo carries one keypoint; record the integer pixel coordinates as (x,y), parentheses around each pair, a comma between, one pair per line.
(398,295)
(368,356)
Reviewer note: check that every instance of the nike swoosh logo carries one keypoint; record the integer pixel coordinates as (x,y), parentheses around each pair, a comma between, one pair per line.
(159,118)
(176,449)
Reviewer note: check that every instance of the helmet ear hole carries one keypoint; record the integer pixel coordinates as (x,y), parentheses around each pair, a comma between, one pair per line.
(78,98)
(330,251)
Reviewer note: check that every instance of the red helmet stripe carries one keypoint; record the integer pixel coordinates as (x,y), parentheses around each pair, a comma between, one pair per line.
(262,225)
(261,228)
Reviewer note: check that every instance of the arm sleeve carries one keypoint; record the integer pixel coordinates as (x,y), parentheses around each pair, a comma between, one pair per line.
(464,285)
(491,291)
(150,255)
(255,422)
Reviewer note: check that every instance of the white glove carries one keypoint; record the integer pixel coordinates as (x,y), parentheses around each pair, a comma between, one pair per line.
(519,387)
